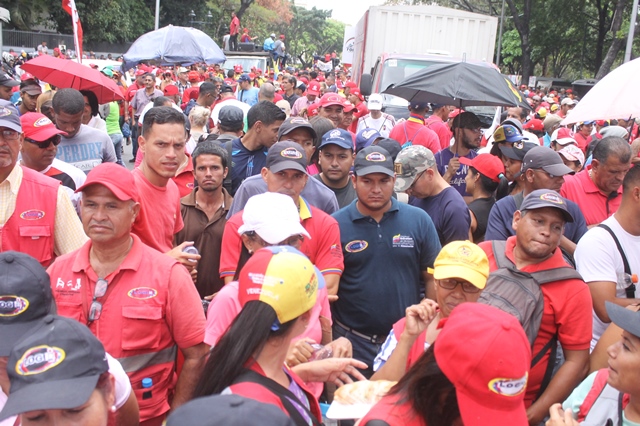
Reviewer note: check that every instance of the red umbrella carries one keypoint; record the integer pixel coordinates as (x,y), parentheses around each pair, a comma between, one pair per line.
(68,74)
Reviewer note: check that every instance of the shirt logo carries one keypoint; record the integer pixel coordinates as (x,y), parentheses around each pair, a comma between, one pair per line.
(403,241)
(39,359)
(44,121)
(142,293)
(291,153)
(356,246)
(376,157)
(32,215)
(508,387)
(190,185)
(11,306)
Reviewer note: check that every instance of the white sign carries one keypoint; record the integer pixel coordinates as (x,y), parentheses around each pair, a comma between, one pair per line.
(348,44)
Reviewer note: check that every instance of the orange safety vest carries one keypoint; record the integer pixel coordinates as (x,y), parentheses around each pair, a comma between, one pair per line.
(30,229)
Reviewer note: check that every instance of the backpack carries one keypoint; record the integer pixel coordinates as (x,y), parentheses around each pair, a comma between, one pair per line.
(518,293)
(409,142)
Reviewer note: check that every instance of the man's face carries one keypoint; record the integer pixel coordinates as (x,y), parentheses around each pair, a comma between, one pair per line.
(566,108)
(543,180)
(105,218)
(586,129)
(163,148)
(29,101)
(10,145)
(302,137)
(311,97)
(289,182)
(422,185)
(5,93)
(183,77)
(286,86)
(347,119)
(514,112)
(149,82)
(333,113)
(38,158)
(209,172)
(374,190)
(86,115)
(69,123)
(335,162)
(268,133)
(471,138)
(538,232)
(245,85)
(608,176)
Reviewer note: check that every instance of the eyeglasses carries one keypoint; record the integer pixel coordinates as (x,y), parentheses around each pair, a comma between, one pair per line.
(450,284)
(9,135)
(475,130)
(96,307)
(55,140)
(546,173)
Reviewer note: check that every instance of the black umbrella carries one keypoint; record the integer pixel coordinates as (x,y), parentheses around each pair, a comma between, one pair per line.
(461,84)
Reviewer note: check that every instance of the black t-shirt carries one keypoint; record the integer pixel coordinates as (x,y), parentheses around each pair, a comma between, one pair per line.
(344,195)
(481,208)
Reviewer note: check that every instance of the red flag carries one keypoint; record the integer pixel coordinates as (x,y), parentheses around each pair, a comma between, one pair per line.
(70,7)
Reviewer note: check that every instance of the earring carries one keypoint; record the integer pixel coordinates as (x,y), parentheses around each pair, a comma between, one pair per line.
(113,408)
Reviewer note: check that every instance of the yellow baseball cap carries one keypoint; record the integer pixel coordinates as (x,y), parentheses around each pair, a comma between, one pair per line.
(464,260)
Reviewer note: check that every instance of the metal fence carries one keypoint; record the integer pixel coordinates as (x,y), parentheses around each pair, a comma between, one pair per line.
(31,39)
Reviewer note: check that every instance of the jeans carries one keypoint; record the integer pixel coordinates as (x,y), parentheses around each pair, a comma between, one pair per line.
(363,350)
(134,139)
(117,139)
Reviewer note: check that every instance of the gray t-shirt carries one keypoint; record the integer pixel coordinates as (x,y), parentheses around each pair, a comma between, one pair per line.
(344,195)
(278,47)
(314,192)
(88,148)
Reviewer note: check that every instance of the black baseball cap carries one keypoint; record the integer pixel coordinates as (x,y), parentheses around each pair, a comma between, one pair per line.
(226,89)
(627,320)
(285,155)
(517,150)
(373,159)
(541,198)
(230,116)
(542,157)
(25,297)
(6,80)
(391,145)
(293,123)
(228,410)
(57,366)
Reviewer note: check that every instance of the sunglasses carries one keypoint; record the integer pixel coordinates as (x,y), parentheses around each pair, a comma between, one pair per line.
(96,307)
(450,284)
(55,140)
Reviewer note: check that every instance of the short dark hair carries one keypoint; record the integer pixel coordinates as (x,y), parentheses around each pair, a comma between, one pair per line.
(231,73)
(313,75)
(291,79)
(161,101)
(69,101)
(611,146)
(207,88)
(631,179)
(266,112)
(210,148)
(161,115)
(93,101)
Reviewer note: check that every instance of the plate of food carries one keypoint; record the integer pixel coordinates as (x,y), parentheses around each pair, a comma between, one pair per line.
(354,400)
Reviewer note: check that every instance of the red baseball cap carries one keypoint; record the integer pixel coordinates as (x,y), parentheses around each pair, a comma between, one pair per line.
(305,80)
(357,93)
(534,124)
(312,110)
(487,165)
(38,127)
(116,178)
(348,106)
(329,99)
(193,76)
(485,353)
(313,88)
(171,90)
(26,76)
(237,68)
(140,72)
(455,112)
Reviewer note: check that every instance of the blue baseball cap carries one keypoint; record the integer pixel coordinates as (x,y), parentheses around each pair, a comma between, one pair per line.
(366,137)
(339,137)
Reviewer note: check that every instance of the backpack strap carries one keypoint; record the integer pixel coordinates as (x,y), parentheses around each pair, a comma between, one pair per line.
(631,290)
(518,199)
(599,383)
(548,372)
(284,394)
(227,183)
(499,248)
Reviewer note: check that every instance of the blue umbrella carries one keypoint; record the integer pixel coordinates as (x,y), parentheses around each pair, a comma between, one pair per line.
(174,45)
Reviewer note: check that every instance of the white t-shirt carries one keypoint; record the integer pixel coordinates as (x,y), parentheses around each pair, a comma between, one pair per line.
(383,125)
(231,101)
(123,389)
(598,259)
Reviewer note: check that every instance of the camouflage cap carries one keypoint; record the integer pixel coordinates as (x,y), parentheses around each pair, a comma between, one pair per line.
(411,161)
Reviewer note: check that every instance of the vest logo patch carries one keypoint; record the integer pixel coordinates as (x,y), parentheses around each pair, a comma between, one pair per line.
(11,306)
(39,359)
(356,246)
(32,215)
(508,387)
(142,293)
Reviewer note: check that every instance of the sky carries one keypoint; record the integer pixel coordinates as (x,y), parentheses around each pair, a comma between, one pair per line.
(347,11)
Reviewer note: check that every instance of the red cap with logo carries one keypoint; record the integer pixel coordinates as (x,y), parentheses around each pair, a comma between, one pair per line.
(329,99)
(485,353)
(313,88)
(534,124)
(351,85)
(171,90)
(193,76)
(312,110)
(38,127)
(116,178)
(356,92)
(487,165)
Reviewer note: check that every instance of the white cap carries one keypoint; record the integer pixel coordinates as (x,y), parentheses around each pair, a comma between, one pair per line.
(568,101)
(182,69)
(375,102)
(273,35)
(273,216)
(572,153)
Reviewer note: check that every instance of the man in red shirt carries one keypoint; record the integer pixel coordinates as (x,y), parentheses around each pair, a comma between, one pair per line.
(597,190)
(356,98)
(139,303)
(438,123)
(285,173)
(413,130)
(539,225)
(583,134)
(234,28)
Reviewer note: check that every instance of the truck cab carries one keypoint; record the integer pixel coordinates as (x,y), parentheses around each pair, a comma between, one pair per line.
(247,60)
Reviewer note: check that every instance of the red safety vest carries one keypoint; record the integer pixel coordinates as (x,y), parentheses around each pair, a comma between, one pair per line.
(30,229)
(418,346)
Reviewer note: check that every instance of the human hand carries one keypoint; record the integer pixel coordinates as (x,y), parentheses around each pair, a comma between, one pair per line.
(332,370)
(190,261)
(341,348)
(452,168)
(300,352)
(558,417)
(418,317)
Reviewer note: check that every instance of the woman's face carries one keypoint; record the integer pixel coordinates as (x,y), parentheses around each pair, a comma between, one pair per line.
(624,364)
(95,412)
(511,167)
(449,299)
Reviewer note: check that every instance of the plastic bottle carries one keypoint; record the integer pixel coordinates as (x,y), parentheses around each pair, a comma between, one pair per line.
(321,352)
(626,280)
(147,382)
(191,250)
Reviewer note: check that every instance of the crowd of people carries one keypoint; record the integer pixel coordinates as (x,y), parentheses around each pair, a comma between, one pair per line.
(281,236)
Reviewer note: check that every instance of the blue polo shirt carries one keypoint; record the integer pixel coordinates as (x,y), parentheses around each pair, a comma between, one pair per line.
(245,163)
(501,219)
(383,263)
(449,214)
